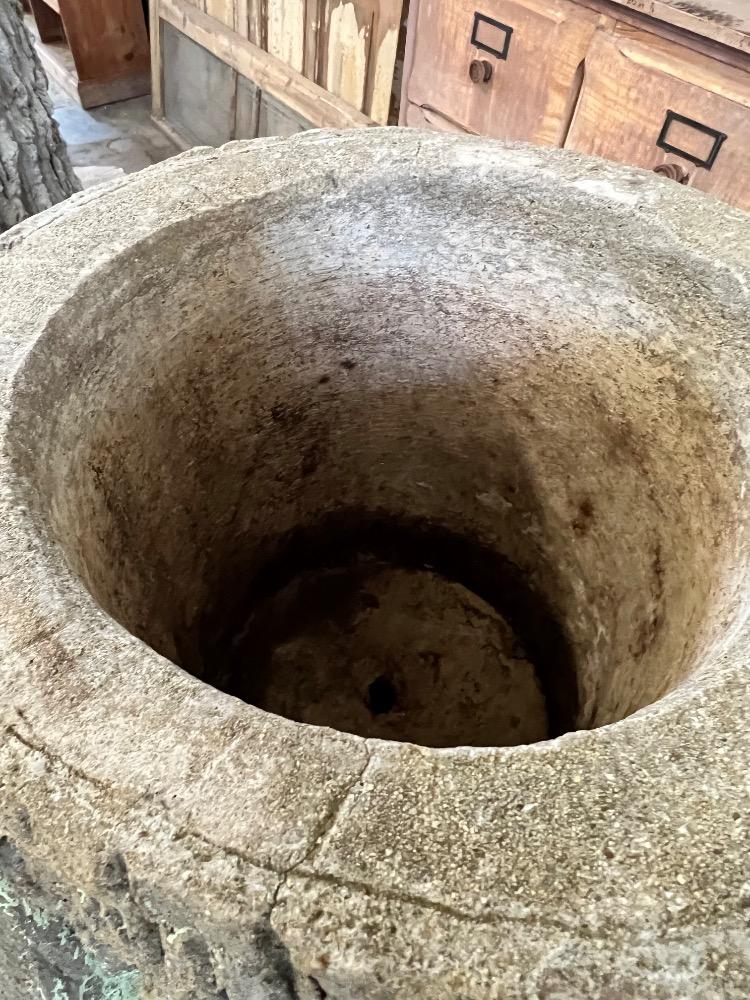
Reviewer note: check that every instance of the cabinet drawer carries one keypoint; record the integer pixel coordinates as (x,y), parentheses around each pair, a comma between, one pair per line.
(528,64)
(649,102)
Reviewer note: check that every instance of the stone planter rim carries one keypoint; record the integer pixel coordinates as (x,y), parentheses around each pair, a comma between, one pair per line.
(52,631)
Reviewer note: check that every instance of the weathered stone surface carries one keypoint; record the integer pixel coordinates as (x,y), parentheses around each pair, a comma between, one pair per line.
(524,372)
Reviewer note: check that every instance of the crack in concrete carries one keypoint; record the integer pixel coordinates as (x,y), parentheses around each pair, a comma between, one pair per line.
(53,759)
(381,892)
(325,827)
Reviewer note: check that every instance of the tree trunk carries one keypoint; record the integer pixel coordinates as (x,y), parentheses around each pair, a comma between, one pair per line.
(34,168)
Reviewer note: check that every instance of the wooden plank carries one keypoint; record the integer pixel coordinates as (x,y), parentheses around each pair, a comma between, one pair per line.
(285,27)
(382,59)
(199,90)
(699,43)
(95,93)
(314,17)
(411,38)
(248,109)
(725,21)
(609,122)
(346,48)
(276,119)
(256,22)
(306,98)
(241,17)
(157,78)
(222,10)
(107,38)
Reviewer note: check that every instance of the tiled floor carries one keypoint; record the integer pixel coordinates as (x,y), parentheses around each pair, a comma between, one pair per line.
(107,142)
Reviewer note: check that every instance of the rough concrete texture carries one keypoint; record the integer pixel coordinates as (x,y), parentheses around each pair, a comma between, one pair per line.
(456,366)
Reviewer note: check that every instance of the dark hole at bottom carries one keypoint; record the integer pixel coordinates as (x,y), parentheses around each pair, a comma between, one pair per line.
(381,695)
(217,652)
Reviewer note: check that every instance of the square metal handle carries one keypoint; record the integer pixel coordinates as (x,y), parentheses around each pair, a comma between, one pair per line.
(491,36)
(706,161)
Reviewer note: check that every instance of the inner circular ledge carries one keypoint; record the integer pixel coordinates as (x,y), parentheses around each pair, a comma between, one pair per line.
(395,499)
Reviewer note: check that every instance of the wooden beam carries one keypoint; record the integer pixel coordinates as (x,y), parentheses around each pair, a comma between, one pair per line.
(269,73)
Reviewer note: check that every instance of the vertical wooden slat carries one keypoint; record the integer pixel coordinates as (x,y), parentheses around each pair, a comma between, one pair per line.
(247,24)
(199,90)
(222,10)
(411,35)
(286,31)
(313,24)
(157,79)
(382,59)
(247,103)
(346,43)
(240,17)
(258,22)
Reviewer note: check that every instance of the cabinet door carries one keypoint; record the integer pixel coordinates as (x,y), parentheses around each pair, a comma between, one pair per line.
(651,102)
(528,64)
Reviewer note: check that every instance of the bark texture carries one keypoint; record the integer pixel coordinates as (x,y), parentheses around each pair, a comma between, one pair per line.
(35,171)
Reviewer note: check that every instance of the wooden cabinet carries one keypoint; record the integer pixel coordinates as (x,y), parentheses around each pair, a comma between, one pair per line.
(592,76)
(648,101)
(98,51)
(501,68)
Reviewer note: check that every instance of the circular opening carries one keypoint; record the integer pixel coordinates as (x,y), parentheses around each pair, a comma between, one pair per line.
(349,469)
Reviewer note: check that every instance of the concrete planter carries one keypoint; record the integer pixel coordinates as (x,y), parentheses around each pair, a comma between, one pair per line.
(374,580)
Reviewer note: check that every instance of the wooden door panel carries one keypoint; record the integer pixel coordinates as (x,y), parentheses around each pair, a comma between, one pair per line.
(634,80)
(534,50)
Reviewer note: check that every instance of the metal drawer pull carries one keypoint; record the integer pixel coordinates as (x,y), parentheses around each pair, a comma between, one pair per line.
(673,171)
(673,119)
(480,70)
(491,36)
